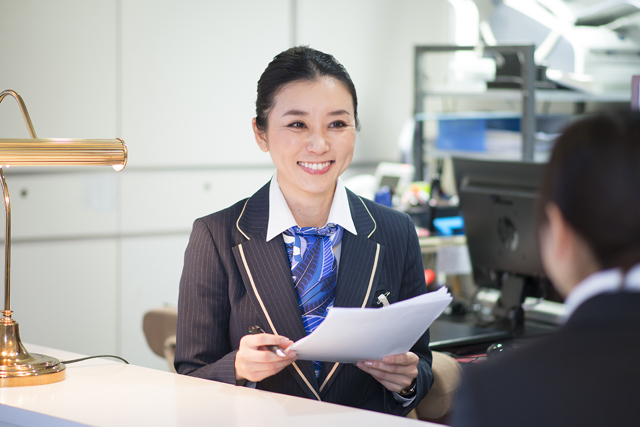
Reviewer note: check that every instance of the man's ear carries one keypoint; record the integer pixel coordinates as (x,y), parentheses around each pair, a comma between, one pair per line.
(261,136)
(572,255)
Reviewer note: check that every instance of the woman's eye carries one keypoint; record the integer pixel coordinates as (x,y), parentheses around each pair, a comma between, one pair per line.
(298,125)
(338,124)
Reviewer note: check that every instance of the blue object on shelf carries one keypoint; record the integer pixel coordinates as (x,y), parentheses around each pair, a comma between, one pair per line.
(448,226)
(464,134)
(383,196)
(468,134)
(512,124)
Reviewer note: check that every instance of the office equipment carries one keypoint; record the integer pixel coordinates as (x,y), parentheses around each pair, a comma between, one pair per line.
(446,334)
(498,204)
(496,349)
(497,201)
(583,49)
(394,175)
(112,394)
(350,335)
(448,226)
(550,312)
(17,366)
(605,12)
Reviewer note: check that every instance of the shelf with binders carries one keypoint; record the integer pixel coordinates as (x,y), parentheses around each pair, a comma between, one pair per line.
(541,95)
(456,102)
(487,134)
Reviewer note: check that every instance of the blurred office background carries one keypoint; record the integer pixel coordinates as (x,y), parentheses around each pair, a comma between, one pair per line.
(93,249)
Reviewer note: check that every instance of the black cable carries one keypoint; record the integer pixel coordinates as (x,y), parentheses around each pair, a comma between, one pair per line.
(66,362)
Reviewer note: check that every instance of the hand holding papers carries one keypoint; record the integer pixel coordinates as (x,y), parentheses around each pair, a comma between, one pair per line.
(349,335)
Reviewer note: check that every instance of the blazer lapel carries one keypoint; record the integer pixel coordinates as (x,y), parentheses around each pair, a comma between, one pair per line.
(358,273)
(360,259)
(266,273)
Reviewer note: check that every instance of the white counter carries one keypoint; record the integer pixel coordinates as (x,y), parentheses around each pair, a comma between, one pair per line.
(105,392)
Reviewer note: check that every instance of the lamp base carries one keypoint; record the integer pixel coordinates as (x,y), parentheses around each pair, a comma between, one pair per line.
(19,368)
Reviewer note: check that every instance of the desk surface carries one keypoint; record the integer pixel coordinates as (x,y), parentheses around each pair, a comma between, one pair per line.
(102,392)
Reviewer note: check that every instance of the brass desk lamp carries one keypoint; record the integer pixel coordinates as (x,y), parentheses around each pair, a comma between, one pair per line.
(17,366)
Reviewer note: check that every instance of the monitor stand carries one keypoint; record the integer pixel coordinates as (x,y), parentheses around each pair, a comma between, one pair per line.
(508,310)
(449,332)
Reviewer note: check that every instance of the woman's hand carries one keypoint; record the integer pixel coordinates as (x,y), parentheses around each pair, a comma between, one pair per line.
(395,372)
(255,362)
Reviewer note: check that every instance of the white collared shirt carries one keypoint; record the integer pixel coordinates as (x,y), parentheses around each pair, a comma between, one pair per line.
(281,218)
(606,281)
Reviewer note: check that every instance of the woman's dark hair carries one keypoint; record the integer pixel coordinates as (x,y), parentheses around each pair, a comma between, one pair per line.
(299,63)
(593,176)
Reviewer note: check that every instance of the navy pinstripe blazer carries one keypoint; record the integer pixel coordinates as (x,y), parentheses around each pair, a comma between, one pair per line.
(233,279)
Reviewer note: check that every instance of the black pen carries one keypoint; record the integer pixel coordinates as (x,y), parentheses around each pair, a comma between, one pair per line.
(274,348)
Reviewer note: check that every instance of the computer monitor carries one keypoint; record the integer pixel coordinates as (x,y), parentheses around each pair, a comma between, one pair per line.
(498,205)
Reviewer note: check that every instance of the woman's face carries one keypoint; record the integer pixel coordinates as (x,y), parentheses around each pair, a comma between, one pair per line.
(310,135)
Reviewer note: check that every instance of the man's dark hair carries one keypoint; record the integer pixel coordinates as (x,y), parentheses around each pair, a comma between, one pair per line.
(593,176)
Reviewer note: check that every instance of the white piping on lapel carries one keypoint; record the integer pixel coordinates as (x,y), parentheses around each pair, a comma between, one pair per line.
(375,224)
(264,310)
(373,273)
(253,285)
(375,263)
(326,380)
(238,221)
(306,381)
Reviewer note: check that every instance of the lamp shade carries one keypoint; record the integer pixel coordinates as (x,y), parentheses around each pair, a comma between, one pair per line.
(63,152)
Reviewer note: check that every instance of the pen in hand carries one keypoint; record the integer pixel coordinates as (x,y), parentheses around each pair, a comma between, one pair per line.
(254,330)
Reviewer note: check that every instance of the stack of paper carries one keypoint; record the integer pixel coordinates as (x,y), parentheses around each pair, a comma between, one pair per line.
(349,335)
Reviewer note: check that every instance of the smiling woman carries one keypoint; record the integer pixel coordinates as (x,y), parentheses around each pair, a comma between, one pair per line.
(271,262)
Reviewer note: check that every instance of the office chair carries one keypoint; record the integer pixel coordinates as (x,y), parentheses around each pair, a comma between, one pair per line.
(159,326)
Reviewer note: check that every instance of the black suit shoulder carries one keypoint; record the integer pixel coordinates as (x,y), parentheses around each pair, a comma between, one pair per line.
(586,373)
(224,220)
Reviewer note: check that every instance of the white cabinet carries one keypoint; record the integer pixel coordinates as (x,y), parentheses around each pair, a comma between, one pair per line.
(64,293)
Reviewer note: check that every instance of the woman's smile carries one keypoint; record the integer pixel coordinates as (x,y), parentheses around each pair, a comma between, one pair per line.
(316,168)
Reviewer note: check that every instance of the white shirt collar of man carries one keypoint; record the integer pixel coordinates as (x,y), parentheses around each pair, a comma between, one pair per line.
(606,281)
(281,219)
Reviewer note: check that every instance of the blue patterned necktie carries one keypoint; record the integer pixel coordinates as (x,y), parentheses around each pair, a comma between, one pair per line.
(313,269)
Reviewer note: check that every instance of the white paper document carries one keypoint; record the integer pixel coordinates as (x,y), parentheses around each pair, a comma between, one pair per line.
(349,335)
